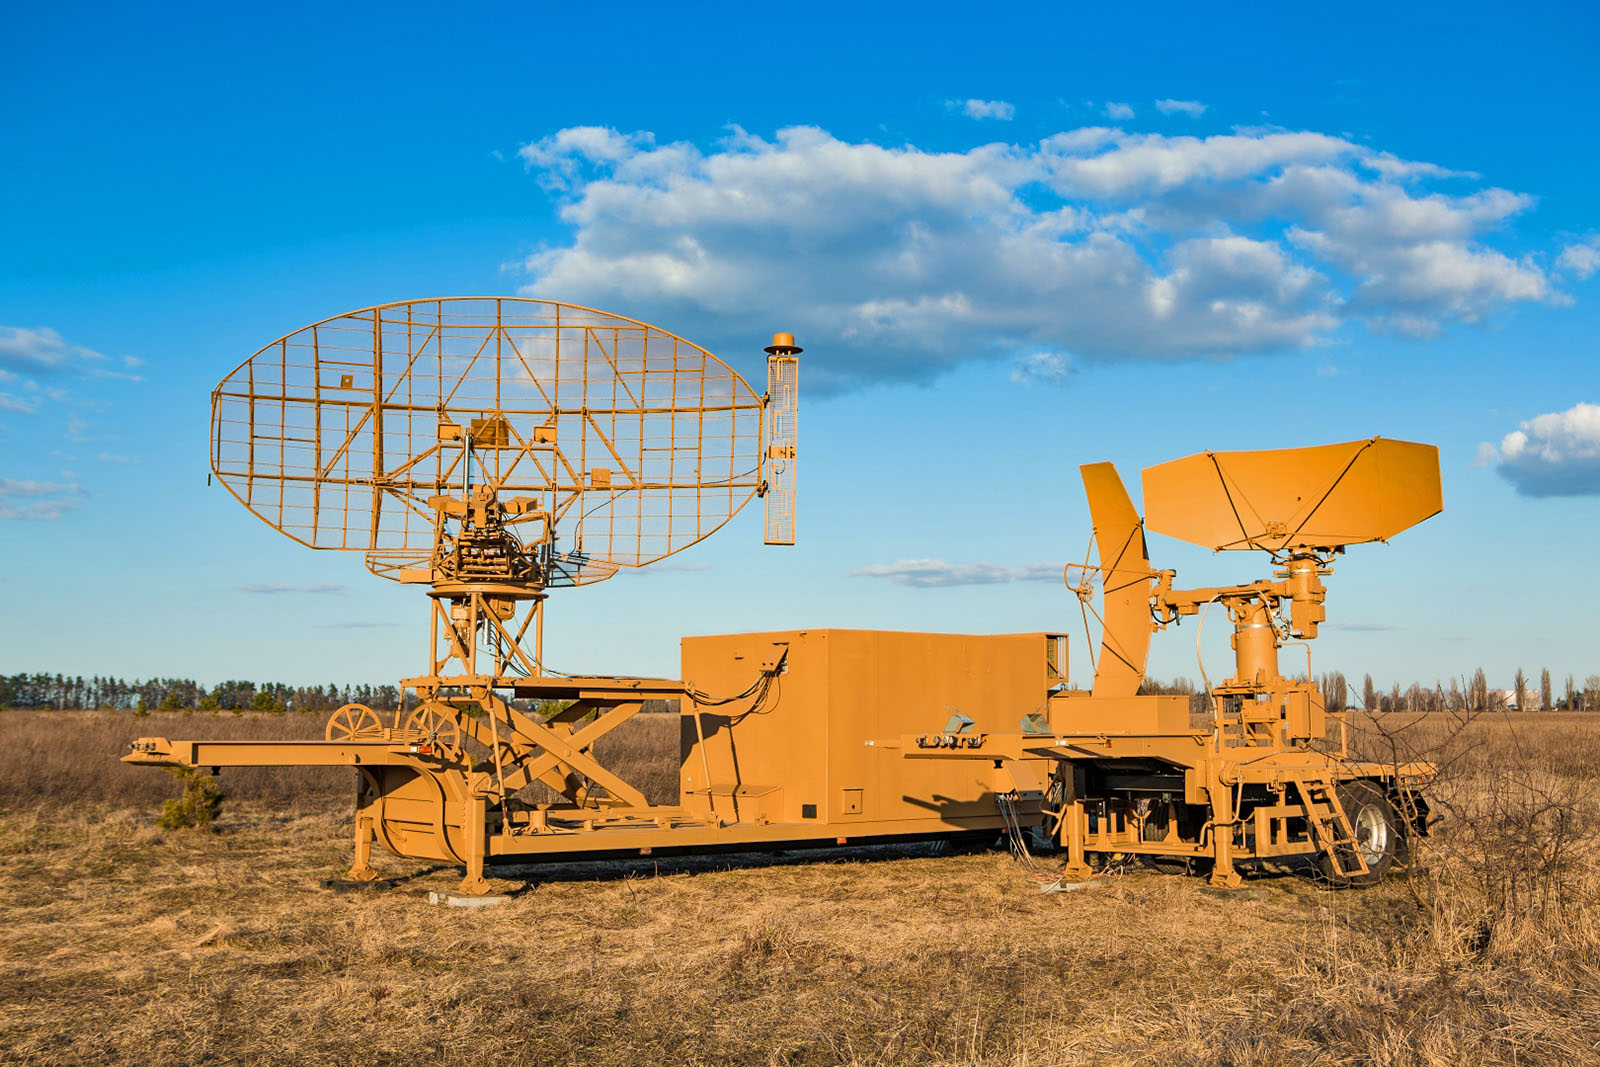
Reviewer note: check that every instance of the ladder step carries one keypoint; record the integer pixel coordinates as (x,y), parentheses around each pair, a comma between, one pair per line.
(1330,826)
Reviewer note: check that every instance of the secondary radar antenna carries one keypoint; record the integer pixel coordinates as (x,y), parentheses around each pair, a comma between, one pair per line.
(1301,506)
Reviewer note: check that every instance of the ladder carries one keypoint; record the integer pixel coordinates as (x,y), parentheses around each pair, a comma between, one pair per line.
(1330,827)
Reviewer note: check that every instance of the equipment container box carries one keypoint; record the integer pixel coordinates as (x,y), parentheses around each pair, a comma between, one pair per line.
(818,743)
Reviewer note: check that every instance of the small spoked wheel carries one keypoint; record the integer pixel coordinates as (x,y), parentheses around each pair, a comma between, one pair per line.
(354,722)
(436,727)
(1378,830)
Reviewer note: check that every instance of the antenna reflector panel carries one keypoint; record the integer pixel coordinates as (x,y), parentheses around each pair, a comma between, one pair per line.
(630,442)
(1295,498)
(782,430)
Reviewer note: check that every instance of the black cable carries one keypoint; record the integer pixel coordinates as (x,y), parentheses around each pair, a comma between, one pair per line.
(764,680)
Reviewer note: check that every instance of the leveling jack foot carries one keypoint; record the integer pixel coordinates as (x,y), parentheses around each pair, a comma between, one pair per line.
(362,872)
(474,885)
(1225,880)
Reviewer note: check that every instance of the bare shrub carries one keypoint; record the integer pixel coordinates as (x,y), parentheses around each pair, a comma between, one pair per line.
(1513,864)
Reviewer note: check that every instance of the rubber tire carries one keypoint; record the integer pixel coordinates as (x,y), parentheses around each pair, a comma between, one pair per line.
(1168,864)
(1364,802)
(1159,863)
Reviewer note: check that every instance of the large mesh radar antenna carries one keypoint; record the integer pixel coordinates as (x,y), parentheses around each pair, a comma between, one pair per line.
(529,442)
(493,448)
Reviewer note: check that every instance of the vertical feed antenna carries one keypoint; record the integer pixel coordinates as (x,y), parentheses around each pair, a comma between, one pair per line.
(783,410)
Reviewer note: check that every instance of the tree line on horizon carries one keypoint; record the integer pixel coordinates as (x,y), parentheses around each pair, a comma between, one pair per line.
(65,692)
(1466,694)
(40,691)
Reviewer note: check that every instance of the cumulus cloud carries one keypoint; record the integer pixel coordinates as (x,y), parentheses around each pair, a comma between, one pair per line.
(557,159)
(1556,454)
(37,500)
(936,572)
(896,263)
(1193,108)
(1581,258)
(274,588)
(1119,112)
(983,109)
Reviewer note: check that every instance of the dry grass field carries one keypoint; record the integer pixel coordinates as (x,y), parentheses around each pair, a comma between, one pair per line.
(122,943)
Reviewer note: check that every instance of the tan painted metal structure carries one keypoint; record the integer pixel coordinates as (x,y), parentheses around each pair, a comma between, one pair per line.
(785,760)
(1131,774)
(493,449)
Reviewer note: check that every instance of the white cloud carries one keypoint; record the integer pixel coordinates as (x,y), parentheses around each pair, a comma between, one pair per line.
(40,351)
(39,359)
(1193,108)
(1556,454)
(37,500)
(983,109)
(1581,258)
(936,572)
(1107,164)
(893,262)
(111,457)
(285,587)
(1119,112)
(556,158)
(43,353)
(1047,368)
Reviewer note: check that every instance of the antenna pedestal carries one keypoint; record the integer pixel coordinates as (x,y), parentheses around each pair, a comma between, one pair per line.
(1255,646)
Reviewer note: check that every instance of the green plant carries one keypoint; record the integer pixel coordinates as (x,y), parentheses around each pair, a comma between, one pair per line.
(199,805)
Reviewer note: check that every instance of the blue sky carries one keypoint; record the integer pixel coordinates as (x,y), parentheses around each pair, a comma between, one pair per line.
(1010,245)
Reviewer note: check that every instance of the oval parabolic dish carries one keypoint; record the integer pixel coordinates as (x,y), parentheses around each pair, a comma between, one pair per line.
(637,442)
(1294,498)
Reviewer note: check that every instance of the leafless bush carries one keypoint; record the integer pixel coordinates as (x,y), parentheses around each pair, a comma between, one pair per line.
(1513,864)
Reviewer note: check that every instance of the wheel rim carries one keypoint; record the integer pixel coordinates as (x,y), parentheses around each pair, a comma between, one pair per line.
(436,729)
(352,722)
(1372,834)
